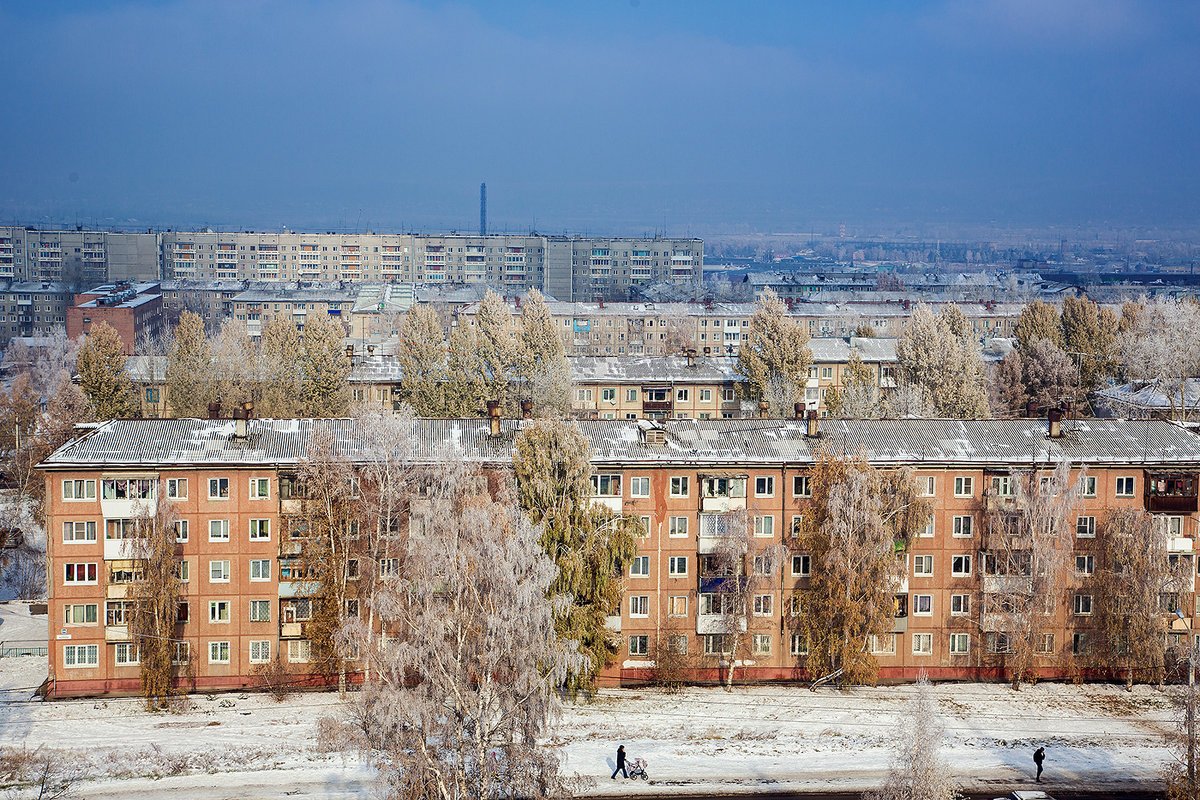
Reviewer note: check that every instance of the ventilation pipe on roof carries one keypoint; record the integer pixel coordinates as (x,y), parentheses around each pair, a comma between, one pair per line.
(1031,409)
(214,409)
(798,408)
(1054,417)
(763,407)
(370,349)
(350,352)
(526,409)
(811,428)
(707,352)
(691,356)
(493,410)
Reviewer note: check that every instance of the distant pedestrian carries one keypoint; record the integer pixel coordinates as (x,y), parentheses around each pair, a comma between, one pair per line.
(620,763)
(1039,756)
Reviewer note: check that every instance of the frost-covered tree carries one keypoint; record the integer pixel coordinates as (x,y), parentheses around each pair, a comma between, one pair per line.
(498,349)
(422,358)
(859,396)
(233,377)
(1163,348)
(466,383)
(1182,772)
(102,374)
(1041,374)
(917,770)
(1038,320)
(55,362)
(155,596)
(947,367)
(543,362)
(280,366)
(774,360)
(189,368)
(955,320)
(324,368)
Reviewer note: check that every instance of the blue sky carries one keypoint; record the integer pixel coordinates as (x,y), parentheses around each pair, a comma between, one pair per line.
(617,116)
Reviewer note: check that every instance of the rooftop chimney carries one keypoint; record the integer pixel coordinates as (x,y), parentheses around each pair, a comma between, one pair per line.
(526,409)
(811,429)
(763,407)
(691,356)
(493,410)
(214,409)
(370,349)
(1054,417)
(350,352)
(240,417)
(798,408)
(1031,409)
(707,352)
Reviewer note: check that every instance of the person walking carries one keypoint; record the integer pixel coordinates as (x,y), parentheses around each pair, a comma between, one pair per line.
(1039,756)
(620,763)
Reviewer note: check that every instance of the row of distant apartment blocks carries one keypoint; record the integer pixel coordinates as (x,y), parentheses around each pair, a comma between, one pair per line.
(562,266)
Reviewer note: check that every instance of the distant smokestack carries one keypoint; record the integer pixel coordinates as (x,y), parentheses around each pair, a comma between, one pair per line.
(483,209)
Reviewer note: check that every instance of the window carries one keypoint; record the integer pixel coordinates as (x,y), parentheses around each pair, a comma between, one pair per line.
(677,566)
(218,530)
(631,395)
(79,574)
(1003,485)
(923,605)
(800,486)
(181,530)
(177,488)
(761,644)
(81,614)
(764,605)
(182,613)
(583,395)
(218,488)
(644,522)
(260,569)
(678,526)
(260,530)
(704,395)
(764,486)
(926,485)
(218,611)
(882,645)
(606,485)
(639,567)
(1124,487)
(260,488)
(79,490)
(1085,527)
(639,645)
(260,652)
(923,565)
(182,653)
(716,644)
(639,487)
(81,655)
(218,572)
(260,610)
(764,526)
(1045,644)
(677,605)
(960,605)
(679,486)
(1083,605)
(1174,525)
(79,532)
(299,650)
(1079,640)
(799,644)
(1085,565)
(764,564)
(352,569)
(964,486)
(960,566)
(999,643)
(964,526)
(183,571)
(960,644)
(1089,486)
(639,606)
(389,566)
(218,652)
(608,395)
(801,565)
(922,644)
(681,395)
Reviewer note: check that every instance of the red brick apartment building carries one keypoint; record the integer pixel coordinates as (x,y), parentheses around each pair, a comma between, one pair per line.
(134,311)
(241,609)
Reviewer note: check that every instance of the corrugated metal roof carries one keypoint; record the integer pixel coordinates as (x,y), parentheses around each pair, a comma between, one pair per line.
(652,369)
(758,441)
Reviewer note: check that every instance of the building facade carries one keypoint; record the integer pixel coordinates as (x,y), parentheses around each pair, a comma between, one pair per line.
(135,311)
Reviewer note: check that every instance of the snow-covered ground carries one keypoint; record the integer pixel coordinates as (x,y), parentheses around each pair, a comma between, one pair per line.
(702,740)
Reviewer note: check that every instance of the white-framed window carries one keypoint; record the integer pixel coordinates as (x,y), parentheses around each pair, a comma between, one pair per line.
(679,486)
(81,655)
(182,654)
(681,395)
(1125,487)
(80,574)
(677,566)
(608,395)
(639,605)
(74,532)
(796,604)
(677,605)
(299,651)
(923,605)
(1083,605)
(260,569)
(80,489)
(260,530)
(799,644)
(928,530)
(964,486)
(218,488)
(960,644)
(801,487)
(80,613)
(926,485)
(1085,527)
(764,526)
(639,567)
(704,395)
(764,564)
(183,571)
(1085,565)
(960,565)
(1089,486)
(678,526)
(639,487)
(922,644)
(260,652)
(960,605)
(1174,525)
(761,644)
(127,488)
(181,530)
(764,486)
(218,571)
(718,644)
(801,565)
(218,611)
(218,652)
(260,610)
(923,566)
(583,395)
(677,643)
(728,395)
(882,645)
(177,488)
(964,526)
(764,605)
(1003,485)
(389,566)
(797,525)
(606,485)
(260,488)
(218,530)
(639,645)
(644,523)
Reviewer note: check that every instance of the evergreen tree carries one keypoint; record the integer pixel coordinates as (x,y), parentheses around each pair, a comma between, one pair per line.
(775,359)
(103,377)
(499,351)
(422,356)
(189,368)
(465,372)
(1090,339)
(545,367)
(281,362)
(1038,320)
(324,369)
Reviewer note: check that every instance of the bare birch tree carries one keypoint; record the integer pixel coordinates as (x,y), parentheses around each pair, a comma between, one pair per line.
(917,770)
(1162,346)
(155,598)
(1182,772)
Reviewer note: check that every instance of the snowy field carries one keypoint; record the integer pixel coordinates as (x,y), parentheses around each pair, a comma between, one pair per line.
(703,740)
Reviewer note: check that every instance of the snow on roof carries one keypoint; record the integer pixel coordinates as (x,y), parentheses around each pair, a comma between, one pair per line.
(643,369)
(1150,395)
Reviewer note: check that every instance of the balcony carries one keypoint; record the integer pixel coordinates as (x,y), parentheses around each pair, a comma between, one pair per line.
(116,591)
(123,549)
(1170,492)
(291,630)
(718,623)
(1179,625)
(1007,584)
(116,633)
(613,623)
(1179,544)
(656,405)
(611,503)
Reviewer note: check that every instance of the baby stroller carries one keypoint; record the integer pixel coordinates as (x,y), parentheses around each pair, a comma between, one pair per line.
(637,769)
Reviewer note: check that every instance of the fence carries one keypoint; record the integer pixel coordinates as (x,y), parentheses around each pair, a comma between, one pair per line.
(19,647)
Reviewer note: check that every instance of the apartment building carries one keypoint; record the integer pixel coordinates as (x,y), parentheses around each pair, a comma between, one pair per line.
(581,268)
(264,301)
(230,483)
(135,311)
(32,308)
(658,388)
(80,258)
